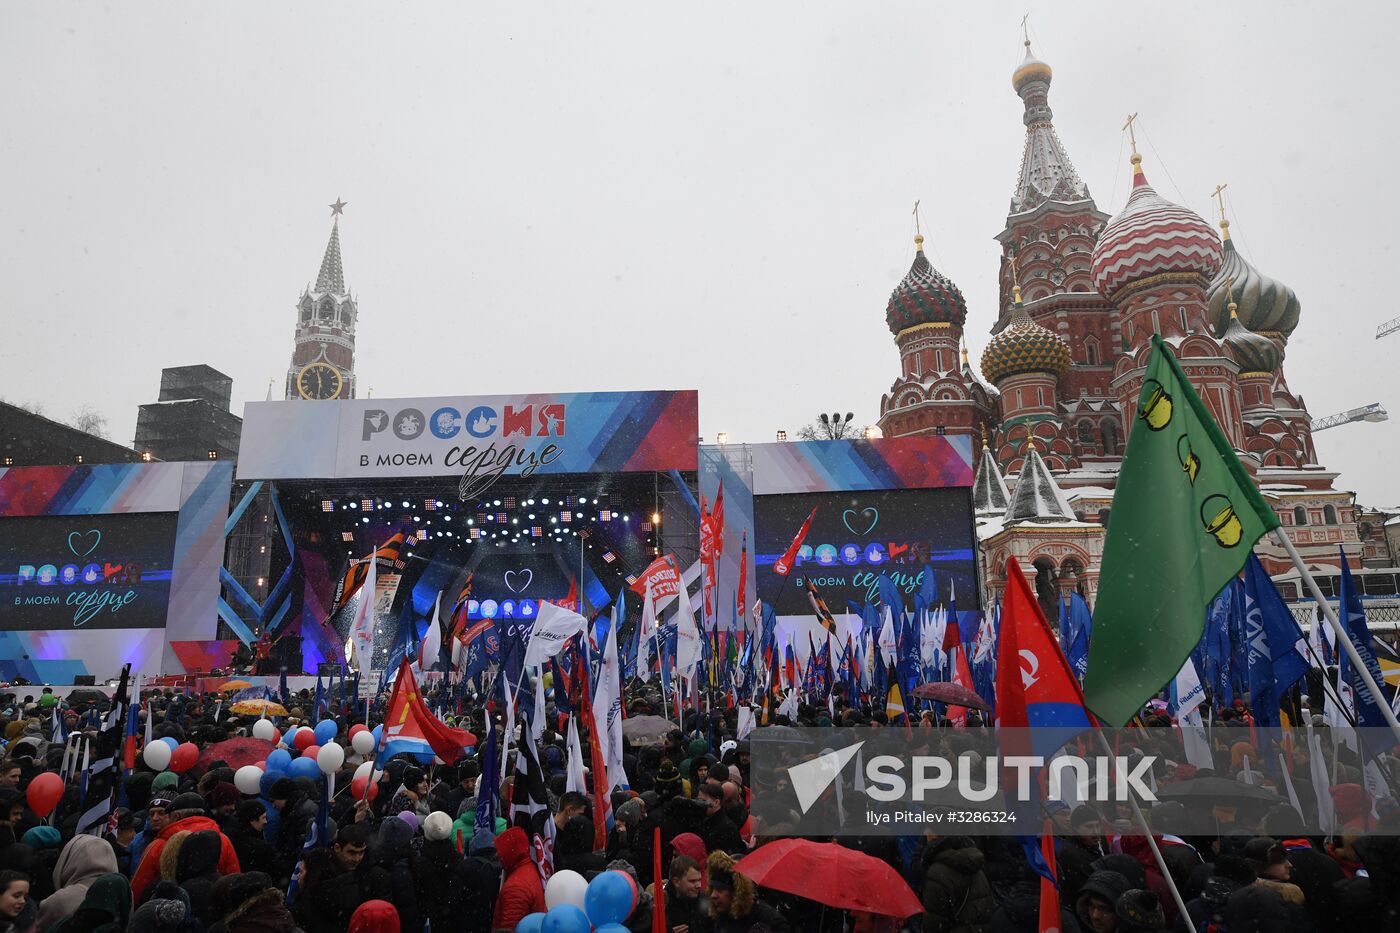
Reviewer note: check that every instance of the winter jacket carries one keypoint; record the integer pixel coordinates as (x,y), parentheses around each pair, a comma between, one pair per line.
(106,908)
(24,923)
(956,894)
(264,912)
(395,870)
(148,872)
(719,832)
(479,878)
(1315,873)
(197,869)
(331,894)
(1075,862)
(439,884)
(522,892)
(1020,912)
(83,860)
(253,851)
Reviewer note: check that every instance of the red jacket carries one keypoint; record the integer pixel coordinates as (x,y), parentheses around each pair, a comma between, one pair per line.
(148,872)
(522,892)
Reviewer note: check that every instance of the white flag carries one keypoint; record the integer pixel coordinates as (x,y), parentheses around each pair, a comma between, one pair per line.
(537,720)
(887,639)
(1189,696)
(607,711)
(687,639)
(645,635)
(575,763)
(553,627)
(746,723)
(432,641)
(362,624)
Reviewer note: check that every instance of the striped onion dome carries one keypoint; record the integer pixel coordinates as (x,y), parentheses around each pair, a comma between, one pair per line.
(1266,305)
(1023,346)
(924,296)
(1255,352)
(1151,236)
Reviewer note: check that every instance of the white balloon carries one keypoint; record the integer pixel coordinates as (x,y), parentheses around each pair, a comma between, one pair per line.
(363,771)
(565,887)
(363,742)
(264,729)
(248,779)
(330,758)
(157,756)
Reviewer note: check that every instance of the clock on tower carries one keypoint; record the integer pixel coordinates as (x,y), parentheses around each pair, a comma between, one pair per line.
(319,380)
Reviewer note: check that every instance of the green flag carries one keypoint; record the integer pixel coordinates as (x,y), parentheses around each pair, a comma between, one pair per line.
(1185,517)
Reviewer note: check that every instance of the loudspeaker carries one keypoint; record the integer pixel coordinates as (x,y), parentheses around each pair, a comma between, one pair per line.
(328,669)
(85,680)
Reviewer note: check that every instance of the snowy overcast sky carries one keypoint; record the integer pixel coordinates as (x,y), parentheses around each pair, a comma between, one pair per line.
(588,196)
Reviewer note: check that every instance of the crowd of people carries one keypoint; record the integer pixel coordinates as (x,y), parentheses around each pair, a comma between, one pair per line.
(189,852)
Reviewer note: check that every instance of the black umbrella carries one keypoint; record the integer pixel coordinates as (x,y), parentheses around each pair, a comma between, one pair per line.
(81,696)
(1215,788)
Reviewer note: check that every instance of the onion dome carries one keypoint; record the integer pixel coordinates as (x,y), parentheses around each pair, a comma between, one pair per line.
(1255,352)
(1031,69)
(1151,236)
(1023,346)
(1266,305)
(924,296)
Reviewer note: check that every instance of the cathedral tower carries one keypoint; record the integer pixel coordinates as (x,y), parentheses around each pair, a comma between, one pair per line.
(323,359)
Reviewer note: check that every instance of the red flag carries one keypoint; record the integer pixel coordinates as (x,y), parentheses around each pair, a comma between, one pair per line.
(663,576)
(961,671)
(658,903)
(1050,920)
(602,799)
(785,563)
(1035,685)
(743,592)
(386,553)
(410,727)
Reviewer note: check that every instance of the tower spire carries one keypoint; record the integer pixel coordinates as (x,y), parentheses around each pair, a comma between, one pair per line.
(1046,171)
(331,278)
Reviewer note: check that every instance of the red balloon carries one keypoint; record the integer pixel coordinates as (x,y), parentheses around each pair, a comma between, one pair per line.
(184,757)
(310,751)
(262,765)
(357,728)
(44,793)
(357,789)
(304,738)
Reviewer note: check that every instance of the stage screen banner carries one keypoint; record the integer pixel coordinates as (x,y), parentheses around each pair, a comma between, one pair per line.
(483,437)
(86,571)
(858,536)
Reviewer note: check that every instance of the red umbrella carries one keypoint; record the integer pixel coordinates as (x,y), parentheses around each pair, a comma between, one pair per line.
(830,874)
(950,693)
(237,752)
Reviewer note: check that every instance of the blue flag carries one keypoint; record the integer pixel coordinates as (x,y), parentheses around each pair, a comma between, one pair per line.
(1081,625)
(1353,619)
(1275,644)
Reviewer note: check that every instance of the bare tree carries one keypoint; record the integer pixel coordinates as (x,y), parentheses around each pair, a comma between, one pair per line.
(90,421)
(833,427)
(34,408)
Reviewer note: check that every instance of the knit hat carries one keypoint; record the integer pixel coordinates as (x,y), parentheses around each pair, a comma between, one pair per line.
(159,802)
(436,826)
(413,776)
(158,915)
(1083,814)
(166,780)
(1142,909)
(189,801)
(283,788)
(224,795)
(43,837)
(668,773)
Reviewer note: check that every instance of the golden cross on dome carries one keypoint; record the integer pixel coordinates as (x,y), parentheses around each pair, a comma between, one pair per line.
(1132,134)
(1025,32)
(1219,195)
(918,231)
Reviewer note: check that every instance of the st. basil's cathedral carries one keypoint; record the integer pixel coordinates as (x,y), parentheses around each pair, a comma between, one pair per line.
(1081,294)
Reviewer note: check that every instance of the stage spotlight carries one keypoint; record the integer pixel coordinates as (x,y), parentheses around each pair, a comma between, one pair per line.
(605,515)
(626,518)
(782,435)
(567,516)
(347,536)
(545,501)
(471,521)
(656,518)
(515,521)
(497,502)
(447,518)
(146,456)
(405,505)
(532,516)
(582,500)
(510,502)
(430,505)
(722,438)
(417,518)
(367,504)
(352,504)
(365,520)
(327,505)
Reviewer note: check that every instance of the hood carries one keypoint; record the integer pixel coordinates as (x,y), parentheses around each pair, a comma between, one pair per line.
(393,840)
(83,859)
(513,847)
(109,897)
(721,863)
(199,855)
(191,824)
(691,845)
(956,852)
(1108,885)
(375,917)
(1290,892)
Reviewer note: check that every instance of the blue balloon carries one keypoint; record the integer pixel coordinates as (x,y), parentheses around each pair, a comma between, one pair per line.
(611,928)
(530,923)
(610,898)
(566,918)
(376,732)
(326,731)
(304,767)
(270,777)
(173,743)
(279,759)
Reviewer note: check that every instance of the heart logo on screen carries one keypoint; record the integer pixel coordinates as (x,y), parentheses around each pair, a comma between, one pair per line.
(527,575)
(78,542)
(866,514)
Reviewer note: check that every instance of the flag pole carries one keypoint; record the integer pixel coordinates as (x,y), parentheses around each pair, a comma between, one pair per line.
(1343,638)
(1151,842)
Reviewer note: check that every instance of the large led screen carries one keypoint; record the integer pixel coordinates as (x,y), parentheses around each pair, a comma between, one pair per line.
(86,571)
(858,536)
